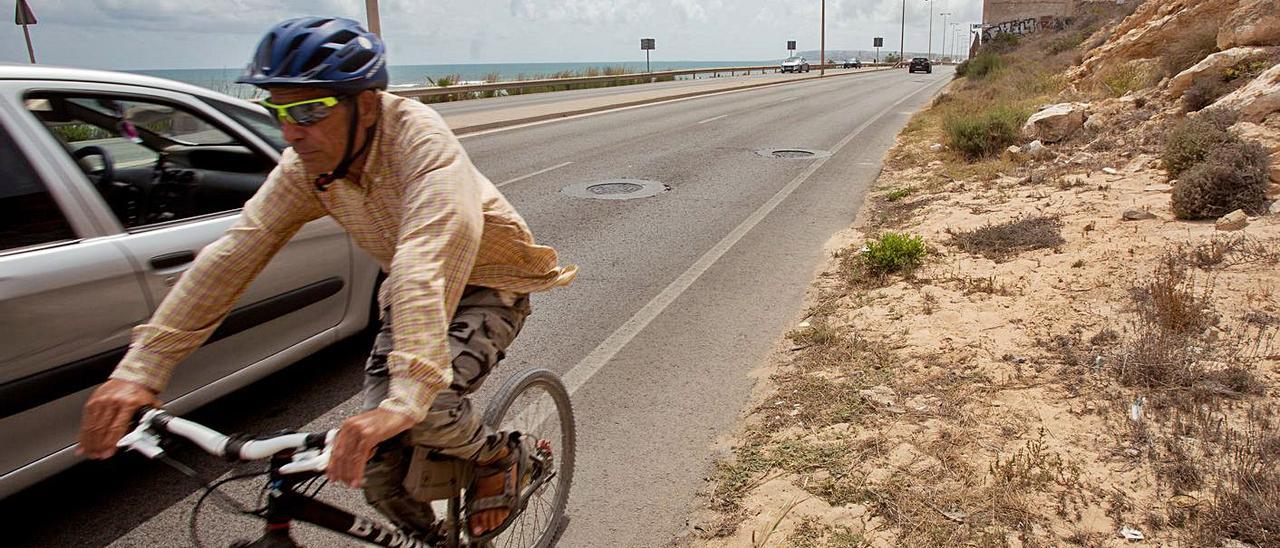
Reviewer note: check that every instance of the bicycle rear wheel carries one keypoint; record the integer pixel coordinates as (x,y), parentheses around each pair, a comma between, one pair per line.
(535,403)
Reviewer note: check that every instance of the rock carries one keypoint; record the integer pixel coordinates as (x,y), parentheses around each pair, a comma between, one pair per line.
(1146,34)
(1273,189)
(1235,220)
(1138,215)
(1056,122)
(1110,171)
(1257,99)
(1215,64)
(1158,188)
(1275,208)
(1036,149)
(1014,149)
(1275,169)
(1253,23)
(882,396)
(936,147)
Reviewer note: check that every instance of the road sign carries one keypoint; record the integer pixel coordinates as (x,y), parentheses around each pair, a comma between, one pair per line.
(23,16)
(879,42)
(647,43)
(791,45)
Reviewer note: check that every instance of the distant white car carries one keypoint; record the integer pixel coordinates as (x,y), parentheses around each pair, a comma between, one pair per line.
(794,64)
(112,184)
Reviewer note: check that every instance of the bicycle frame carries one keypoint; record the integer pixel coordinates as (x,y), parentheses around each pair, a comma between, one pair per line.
(285,504)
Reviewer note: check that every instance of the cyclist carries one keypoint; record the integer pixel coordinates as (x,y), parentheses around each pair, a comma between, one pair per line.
(460,262)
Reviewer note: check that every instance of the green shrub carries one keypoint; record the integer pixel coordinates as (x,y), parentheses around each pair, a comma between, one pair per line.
(1118,81)
(1191,140)
(1233,176)
(1066,42)
(898,194)
(983,65)
(962,69)
(1188,47)
(893,253)
(1210,87)
(986,134)
(1001,43)
(1205,91)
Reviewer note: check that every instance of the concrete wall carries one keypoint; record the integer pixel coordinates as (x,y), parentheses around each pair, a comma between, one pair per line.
(1000,11)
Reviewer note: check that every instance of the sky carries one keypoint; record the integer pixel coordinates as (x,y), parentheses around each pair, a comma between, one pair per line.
(168,34)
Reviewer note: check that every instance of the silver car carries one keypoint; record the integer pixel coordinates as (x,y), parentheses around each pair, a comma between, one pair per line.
(110,184)
(794,64)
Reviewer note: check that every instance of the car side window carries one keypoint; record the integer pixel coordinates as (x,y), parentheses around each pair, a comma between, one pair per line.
(153,162)
(28,214)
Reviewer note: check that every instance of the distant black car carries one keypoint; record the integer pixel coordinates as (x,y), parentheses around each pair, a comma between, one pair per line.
(920,64)
(853,63)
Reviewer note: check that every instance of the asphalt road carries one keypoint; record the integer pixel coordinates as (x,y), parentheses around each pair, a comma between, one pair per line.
(681,296)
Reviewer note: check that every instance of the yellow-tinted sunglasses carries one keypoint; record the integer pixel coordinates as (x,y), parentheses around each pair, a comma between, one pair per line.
(303,113)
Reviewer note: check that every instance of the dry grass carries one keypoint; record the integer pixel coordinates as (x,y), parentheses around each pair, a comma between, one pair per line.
(1003,241)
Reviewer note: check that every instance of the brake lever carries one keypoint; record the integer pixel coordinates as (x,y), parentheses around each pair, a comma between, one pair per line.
(142,439)
(312,460)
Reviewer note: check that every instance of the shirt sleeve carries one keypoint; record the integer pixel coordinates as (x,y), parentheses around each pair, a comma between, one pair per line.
(222,271)
(440,230)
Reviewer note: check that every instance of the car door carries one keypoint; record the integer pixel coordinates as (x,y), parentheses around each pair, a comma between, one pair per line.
(68,299)
(302,294)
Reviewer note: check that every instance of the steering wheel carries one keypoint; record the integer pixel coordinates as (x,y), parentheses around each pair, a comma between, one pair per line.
(103,175)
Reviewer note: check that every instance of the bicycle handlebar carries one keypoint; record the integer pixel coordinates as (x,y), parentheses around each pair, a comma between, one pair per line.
(310,451)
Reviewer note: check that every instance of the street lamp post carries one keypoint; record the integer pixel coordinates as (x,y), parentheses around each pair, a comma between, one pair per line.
(943,49)
(902,37)
(822,45)
(930,29)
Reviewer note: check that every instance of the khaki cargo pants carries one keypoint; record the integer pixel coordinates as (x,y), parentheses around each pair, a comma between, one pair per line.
(483,326)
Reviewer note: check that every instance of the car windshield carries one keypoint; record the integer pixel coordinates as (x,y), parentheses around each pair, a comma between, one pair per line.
(792,60)
(920,60)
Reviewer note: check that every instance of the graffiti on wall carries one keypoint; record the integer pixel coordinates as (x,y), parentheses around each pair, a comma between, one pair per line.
(1020,27)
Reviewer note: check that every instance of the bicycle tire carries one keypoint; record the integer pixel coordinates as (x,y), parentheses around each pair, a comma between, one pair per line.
(498,409)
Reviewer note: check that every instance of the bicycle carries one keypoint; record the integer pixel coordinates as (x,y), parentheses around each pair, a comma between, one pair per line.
(533,403)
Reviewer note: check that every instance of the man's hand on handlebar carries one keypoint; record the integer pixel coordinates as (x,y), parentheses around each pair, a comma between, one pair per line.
(357,439)
(108,414)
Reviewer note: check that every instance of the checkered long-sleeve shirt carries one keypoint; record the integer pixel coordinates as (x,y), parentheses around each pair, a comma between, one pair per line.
(432,220)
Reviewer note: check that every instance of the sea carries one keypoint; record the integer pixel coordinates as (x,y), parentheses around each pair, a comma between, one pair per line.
(223,80)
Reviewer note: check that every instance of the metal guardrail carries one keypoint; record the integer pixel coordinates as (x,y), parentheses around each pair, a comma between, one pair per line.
(429,92)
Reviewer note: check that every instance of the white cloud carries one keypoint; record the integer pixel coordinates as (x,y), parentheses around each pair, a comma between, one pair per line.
(218,33)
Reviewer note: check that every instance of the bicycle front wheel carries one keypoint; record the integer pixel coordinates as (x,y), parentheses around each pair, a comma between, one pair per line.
(535,403)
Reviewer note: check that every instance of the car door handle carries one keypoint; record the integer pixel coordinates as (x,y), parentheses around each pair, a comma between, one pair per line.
(170,260)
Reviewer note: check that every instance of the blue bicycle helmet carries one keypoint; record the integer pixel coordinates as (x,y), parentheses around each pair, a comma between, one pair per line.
(326,52)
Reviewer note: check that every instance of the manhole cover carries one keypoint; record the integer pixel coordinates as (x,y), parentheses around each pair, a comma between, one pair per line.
(615,189)
(793,153)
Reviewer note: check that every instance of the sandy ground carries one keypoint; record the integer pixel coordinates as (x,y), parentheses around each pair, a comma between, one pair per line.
(988,412)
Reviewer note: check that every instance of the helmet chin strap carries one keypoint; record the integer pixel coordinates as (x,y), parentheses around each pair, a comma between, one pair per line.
(325,179)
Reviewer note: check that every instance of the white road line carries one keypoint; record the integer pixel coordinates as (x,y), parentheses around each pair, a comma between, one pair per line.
(712,119)
(646,105)
(534,174)
(787,99)
(578,376)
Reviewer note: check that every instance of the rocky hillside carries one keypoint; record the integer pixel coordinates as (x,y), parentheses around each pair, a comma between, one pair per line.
(1055,322)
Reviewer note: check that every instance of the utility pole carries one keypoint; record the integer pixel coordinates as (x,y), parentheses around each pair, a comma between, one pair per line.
(822,46)
(371,12)
(902,38)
